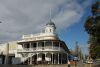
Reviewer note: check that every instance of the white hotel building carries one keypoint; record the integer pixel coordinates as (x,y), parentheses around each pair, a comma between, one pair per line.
(41,48)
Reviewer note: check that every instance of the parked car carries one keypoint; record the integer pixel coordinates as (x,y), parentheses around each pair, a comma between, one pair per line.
(90,61)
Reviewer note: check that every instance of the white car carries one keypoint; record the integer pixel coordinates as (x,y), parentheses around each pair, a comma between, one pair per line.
(89,61)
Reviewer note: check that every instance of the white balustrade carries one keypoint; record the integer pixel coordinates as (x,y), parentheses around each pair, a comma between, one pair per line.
(40,49)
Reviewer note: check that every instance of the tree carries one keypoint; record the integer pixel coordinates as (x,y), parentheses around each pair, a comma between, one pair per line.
(78,52)
(92,27)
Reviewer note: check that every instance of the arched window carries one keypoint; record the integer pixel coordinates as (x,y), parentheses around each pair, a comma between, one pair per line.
(50,30)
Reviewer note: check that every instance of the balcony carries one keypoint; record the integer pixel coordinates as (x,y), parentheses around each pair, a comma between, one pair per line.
(39,49)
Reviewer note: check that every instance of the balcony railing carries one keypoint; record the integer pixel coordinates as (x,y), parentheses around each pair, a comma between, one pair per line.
(40,49)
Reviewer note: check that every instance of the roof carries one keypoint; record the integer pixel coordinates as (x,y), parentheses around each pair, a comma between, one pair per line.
(50,23)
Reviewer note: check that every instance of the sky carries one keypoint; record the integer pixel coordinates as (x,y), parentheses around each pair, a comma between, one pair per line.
(20,17)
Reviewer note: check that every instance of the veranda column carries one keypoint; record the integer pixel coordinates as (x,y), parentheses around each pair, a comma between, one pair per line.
(58,58)
(28,60)
(30,46)
(31,59)
(52,45)
(52,58)
(37,46)
(67,57)
(45,56)
(59,45)
(61,58)
(23,45)
(44,45)
(37,58)
(7,54)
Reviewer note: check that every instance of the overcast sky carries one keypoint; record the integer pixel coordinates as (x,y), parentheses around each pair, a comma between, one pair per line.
(20,17)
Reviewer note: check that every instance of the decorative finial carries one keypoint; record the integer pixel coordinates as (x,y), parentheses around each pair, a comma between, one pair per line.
(50,15)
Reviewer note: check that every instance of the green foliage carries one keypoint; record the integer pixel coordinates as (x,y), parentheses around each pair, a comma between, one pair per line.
(95,8)
(92,27)
(88,24)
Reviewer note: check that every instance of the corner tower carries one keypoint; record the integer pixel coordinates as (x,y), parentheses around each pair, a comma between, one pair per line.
(50,27)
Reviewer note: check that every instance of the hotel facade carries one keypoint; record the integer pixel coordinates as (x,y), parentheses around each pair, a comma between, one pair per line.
(41,48)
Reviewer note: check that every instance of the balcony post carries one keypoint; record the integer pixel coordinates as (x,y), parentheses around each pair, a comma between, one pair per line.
(61,58)
(30,46)
(37,46)
(44,45)
(67,57)
(37,58)
(58,58)
(28,60)
(31,59)
(45,56)
(52,44)
(59,45)
(23,45)
(52,58)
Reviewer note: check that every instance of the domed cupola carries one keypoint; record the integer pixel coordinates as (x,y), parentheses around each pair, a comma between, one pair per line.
(50,27)
(51,23)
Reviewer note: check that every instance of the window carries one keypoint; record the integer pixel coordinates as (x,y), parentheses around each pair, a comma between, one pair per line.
(50,30)
(48,43)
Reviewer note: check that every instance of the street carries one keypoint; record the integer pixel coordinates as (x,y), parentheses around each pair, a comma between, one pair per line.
(95,64)
(63,65)
(79,64)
